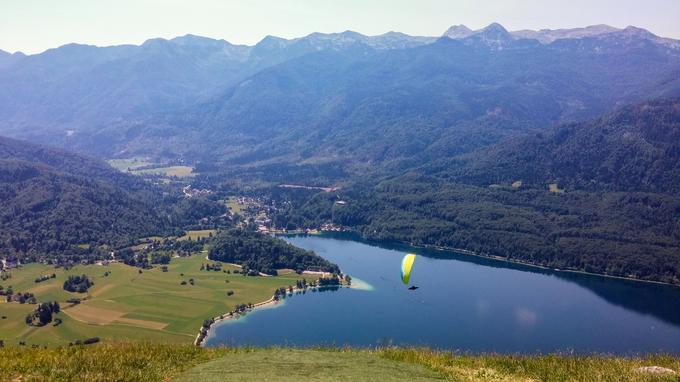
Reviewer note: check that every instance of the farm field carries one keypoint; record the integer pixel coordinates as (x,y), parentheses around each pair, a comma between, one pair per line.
(178,171)
(198,234)
(132,165)
(132,306)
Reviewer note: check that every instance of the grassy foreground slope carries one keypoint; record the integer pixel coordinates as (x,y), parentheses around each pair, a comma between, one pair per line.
(147,362)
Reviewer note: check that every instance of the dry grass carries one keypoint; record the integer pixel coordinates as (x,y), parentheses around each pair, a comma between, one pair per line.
(535,368)
(164,362)
(105,362)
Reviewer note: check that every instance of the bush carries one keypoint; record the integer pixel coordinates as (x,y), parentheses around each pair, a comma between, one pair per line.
(79,284)
(90,341)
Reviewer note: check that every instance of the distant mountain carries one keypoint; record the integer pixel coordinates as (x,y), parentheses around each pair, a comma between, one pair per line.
(6,58)
(339,41)
(392,99)
(547,36)
(634,149)
(401,108)
(457,32)
(77,89)
(494,35)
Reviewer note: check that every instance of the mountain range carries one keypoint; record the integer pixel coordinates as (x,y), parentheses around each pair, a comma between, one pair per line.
(344,98)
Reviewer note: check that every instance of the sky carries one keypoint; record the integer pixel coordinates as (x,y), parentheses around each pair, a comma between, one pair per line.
(32,26)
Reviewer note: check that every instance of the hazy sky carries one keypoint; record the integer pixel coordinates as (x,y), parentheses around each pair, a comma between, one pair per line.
(35,25)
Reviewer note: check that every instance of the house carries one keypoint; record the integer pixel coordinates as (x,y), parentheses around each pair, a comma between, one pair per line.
(11,262)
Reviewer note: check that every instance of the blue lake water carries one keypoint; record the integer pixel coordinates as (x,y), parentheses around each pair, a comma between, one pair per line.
(463,303)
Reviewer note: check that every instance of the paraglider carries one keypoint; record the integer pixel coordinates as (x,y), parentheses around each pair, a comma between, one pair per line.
(406,266)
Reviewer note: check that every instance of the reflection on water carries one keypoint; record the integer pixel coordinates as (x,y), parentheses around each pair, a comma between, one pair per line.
(466,303)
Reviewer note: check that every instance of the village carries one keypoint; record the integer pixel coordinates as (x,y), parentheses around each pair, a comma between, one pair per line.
(258,211)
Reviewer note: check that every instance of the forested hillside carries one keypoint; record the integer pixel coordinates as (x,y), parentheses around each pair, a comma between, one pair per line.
(634,149)
(60,206)
(260,253)
(623,234)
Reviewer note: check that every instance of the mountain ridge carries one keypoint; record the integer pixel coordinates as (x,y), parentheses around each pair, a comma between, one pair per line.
(459,31)
(183,97)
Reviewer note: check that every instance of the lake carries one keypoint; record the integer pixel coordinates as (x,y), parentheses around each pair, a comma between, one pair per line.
(463,303)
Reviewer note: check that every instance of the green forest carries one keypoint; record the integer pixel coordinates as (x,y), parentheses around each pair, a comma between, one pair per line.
(259,253)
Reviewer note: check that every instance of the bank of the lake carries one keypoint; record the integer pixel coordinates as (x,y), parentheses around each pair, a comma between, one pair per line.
(204,332)
(469,303)
(357,236)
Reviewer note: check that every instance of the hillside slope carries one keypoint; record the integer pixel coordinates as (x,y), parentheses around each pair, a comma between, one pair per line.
(58,205)
(134,362)
(634,149)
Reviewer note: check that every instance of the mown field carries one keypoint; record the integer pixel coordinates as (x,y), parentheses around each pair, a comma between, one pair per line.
(178,171)
(198,234)
(167,362)
(131,306)
(132,164)
(129,163)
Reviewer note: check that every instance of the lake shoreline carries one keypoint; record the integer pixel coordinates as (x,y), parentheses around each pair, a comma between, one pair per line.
(203,335)
(462,251)
(532,265)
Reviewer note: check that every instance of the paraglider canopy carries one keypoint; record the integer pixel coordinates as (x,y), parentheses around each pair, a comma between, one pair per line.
(406,266)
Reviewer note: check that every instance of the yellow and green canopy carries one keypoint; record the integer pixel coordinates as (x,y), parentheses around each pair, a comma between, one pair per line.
(406,266)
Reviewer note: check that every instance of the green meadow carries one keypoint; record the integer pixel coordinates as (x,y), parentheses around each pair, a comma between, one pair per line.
(129,305)
(178,171)
(132,164)
(198,234)
(129,163)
